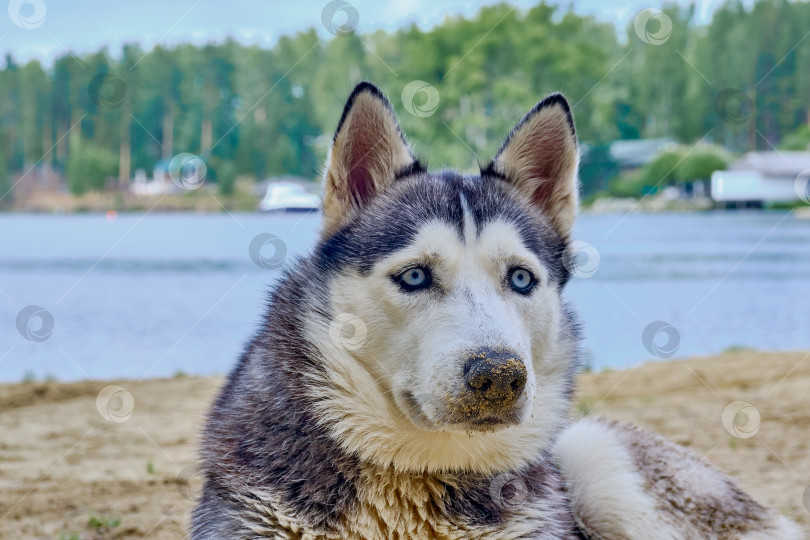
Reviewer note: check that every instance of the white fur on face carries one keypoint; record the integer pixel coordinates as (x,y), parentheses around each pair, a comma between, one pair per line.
(473,308)
(386,394)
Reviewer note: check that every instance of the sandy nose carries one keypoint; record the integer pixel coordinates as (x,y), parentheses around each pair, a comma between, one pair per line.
(496,376)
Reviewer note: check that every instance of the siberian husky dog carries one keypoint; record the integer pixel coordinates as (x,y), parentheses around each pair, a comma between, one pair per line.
(412,377)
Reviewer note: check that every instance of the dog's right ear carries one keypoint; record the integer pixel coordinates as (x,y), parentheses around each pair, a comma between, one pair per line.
(368,151)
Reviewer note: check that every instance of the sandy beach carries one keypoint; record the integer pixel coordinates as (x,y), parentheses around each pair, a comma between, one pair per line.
(115,459)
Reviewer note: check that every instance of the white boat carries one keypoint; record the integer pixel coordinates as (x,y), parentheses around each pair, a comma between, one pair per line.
(289,197)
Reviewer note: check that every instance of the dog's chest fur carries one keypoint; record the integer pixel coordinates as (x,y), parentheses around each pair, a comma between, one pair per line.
(443,507)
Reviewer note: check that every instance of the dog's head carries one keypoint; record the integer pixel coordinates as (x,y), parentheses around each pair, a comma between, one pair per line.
(447,345)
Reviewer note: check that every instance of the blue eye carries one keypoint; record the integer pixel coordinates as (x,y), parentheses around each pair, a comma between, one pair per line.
(521,280)
(414,279)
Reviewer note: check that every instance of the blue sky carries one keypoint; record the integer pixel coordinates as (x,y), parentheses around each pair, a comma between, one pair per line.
(85,25)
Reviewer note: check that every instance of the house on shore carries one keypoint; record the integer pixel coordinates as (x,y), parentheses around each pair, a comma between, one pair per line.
(165,180)
(632,154)
(762,177)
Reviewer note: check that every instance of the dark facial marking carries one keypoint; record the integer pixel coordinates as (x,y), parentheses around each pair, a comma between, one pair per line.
(392,220)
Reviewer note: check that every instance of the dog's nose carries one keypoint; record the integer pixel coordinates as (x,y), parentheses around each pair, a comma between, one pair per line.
(495,376)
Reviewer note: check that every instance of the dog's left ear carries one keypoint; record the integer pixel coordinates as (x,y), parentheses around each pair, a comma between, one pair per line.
(368,151)
(540,158)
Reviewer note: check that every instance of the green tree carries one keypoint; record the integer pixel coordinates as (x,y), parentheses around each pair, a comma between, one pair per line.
(89,167)
(700,164)
(661,170)
(271,111)
(798,140)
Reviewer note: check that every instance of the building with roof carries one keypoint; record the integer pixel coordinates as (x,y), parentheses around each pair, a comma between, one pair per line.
(760,177)
(634,153)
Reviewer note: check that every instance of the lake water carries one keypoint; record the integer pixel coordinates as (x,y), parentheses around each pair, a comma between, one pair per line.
(153,295)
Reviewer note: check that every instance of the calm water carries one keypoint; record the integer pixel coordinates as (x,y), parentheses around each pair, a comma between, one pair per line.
(148,296)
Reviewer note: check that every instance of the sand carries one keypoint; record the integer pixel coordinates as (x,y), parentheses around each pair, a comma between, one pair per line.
(67,472)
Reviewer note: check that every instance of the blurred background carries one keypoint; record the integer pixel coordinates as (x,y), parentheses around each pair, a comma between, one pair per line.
(143,149)
(159,164)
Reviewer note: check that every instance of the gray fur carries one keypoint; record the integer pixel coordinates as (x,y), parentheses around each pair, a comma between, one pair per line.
(718,509)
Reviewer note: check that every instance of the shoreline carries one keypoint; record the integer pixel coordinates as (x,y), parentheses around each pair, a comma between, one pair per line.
(76,470)
(245,199)
(203,207)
